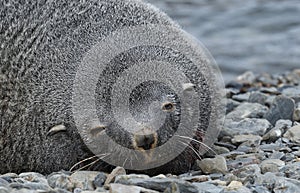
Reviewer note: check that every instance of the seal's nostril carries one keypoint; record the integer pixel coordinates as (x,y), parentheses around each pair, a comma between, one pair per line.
(145,142)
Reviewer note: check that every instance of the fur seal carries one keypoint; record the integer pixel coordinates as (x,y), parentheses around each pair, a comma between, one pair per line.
(74,73)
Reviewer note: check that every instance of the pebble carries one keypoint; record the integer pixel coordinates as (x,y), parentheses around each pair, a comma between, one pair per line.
(246,126)
(258,97)
(247,110)
(213,165)
(293,134)
(271,165)
(282,108)
(292,92)
(116,172)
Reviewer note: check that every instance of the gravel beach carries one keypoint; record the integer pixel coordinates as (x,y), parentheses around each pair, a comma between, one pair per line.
(258,150)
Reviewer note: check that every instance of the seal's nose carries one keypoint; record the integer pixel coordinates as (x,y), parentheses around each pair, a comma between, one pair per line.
(145,142)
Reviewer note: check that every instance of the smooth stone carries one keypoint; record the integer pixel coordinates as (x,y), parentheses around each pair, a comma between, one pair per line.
(245,127)
(112,176)
(99,179)
(120,188)
(258,97)
(10,175)
(247,110)
(3,183)
(277,132)
(277,155)
(31,176)
(172,188)
(37,186)
(213,165)
(24,190)
(202,178)
(281,108)
(132,176)
(234,185)
(293,134)
(238,139)
(292,92)
(288,185)
(231,91)
(271,165)
(292,170)
(84,179)
(4,190)
(231,105)
(296,115)
(271,147)
(239,163)
(269,90)
(248,170)
(267,79)
(60,181)
(208,187)
(260,189)
(160,184)
(241,97)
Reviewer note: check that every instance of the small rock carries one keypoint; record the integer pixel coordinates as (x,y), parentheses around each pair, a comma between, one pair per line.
(238,139)
(234,185)
(240,163)
(258,97)
(293,134)
(292,92)
(61,181)
(99,179)
(202,178)
(248,170)
(3,183)
(84,179)
(267,80)
(271,165)
(213,165)
(120,188)
(160,184)
(292,170)
(208,187)
(116,172)
(4,190)
(277,155)
(247,110)
(231,105)
(281,108)
(10,175)
(245,127)
(269,90)
(241,97)
(173,188)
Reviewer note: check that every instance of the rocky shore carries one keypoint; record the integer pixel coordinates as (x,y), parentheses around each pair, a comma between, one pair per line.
(258,150)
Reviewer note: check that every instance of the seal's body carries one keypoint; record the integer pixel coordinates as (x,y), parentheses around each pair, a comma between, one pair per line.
(43,44)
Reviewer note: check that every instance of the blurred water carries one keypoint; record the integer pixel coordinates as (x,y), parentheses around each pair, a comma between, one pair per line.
(257,35)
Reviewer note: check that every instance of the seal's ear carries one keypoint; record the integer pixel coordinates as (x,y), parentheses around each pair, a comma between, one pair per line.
(188,86)
(56,129)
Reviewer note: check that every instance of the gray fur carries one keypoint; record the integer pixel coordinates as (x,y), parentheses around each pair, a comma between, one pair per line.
(41,46)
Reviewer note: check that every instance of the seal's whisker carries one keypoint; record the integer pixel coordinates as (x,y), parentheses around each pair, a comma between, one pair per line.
(191,147)
(90,164)
(199,142)
(87,159)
